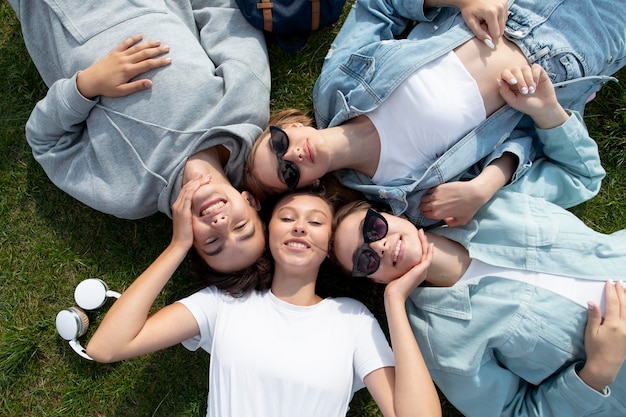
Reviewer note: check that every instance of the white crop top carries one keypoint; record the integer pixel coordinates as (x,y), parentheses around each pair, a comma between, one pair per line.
(427,114)
(578,290)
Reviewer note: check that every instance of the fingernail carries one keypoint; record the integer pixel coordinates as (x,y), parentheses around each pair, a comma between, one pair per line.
(489,43)
(499,82)
(531,89)
(166,48)
(513,81)
(524,90)
(590,306)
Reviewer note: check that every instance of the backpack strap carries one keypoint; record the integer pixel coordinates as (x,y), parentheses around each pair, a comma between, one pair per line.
(266,6)
(315,14)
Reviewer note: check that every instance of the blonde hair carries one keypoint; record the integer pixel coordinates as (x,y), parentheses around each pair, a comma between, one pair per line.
(285,117)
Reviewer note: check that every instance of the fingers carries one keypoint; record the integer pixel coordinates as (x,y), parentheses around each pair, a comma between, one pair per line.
(521,80)
(128,42)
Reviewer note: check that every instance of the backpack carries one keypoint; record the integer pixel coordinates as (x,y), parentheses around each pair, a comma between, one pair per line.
(291,18)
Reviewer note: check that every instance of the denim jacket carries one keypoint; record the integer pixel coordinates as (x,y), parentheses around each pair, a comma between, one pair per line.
(366,63)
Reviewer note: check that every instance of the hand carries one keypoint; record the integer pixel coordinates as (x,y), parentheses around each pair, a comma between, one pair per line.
(182,233)
(605,340)
(455,203)
(530,90)
(403,286)
(486,18)
(111,75)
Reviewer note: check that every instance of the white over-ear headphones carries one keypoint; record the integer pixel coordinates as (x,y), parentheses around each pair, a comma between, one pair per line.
(73,322)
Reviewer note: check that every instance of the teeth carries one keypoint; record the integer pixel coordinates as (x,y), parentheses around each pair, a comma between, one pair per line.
(396,252)
(212,207)
(297,245)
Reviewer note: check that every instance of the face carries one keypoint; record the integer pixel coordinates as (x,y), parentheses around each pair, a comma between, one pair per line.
(293,156)
(299,232)
(228,232)
(397,251)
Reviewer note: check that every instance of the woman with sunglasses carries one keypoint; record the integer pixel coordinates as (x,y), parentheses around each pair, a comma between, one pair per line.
(123,131)
(526,330)
(281,350)
(510,317)
(398,118)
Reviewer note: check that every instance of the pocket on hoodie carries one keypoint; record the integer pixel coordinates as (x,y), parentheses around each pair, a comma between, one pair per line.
(84,20)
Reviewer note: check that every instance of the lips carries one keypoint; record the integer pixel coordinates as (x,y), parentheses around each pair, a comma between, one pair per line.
(309,151)
(212,207)
(297,244)
(396,251)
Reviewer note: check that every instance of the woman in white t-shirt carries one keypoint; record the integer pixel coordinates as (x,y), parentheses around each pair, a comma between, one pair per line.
(282,351)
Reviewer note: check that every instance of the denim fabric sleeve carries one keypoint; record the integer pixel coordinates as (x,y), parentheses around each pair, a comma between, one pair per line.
(563,394)
(570,171)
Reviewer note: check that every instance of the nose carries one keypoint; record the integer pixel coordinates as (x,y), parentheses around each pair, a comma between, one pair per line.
(379,246)
(299,228)
(220,222)
(296,155)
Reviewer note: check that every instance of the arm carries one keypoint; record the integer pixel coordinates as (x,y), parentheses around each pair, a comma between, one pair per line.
(457,202)
(569,172)
(128,330)
(407,389)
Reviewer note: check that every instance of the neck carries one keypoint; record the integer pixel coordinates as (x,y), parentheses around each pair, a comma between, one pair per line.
(208,161)
(356,145)
(450,261)
(294,287)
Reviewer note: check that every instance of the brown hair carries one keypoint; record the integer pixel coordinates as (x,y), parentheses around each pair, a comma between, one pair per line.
(257,276)
(280,119)
(340,216)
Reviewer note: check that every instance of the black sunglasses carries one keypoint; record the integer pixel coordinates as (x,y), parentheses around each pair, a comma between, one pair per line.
(366,260)
(279,141)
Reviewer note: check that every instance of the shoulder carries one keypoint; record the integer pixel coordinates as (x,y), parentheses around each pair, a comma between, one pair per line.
(346,305)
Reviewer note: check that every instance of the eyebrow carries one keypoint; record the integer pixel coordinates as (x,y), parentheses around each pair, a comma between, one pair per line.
(246,236)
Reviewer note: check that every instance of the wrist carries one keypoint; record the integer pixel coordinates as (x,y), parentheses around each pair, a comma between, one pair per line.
(594,377)
(84,86)
(551,118)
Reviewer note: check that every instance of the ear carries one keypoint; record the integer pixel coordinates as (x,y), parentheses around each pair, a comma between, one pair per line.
(252,200)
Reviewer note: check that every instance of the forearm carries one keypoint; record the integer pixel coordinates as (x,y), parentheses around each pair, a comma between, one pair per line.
(414,392)
(127,317)
(496,175)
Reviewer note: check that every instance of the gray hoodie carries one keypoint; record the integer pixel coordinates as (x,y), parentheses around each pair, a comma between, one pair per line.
(125,156)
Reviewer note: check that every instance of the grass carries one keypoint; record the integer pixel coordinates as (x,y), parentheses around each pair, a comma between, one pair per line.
(49,242)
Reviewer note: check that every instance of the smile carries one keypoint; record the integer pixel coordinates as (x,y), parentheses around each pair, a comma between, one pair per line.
(212,208)
(396,251)
(297,244)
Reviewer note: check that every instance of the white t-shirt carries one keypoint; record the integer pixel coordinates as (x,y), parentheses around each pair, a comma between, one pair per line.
(424,117)
(576,289)
(271,358)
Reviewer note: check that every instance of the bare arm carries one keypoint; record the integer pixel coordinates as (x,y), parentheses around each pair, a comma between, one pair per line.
(128,330)
(457,202)
(407,389)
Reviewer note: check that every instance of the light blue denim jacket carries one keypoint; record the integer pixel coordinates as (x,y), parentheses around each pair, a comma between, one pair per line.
(365,64)
(505,348)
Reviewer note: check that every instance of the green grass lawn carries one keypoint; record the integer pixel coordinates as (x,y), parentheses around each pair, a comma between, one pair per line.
(49,242)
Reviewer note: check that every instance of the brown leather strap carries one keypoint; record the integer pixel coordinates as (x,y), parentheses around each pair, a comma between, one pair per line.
(266,6)
(315,14)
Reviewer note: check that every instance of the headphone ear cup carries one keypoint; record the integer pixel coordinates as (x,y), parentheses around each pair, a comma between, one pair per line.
(72,323)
